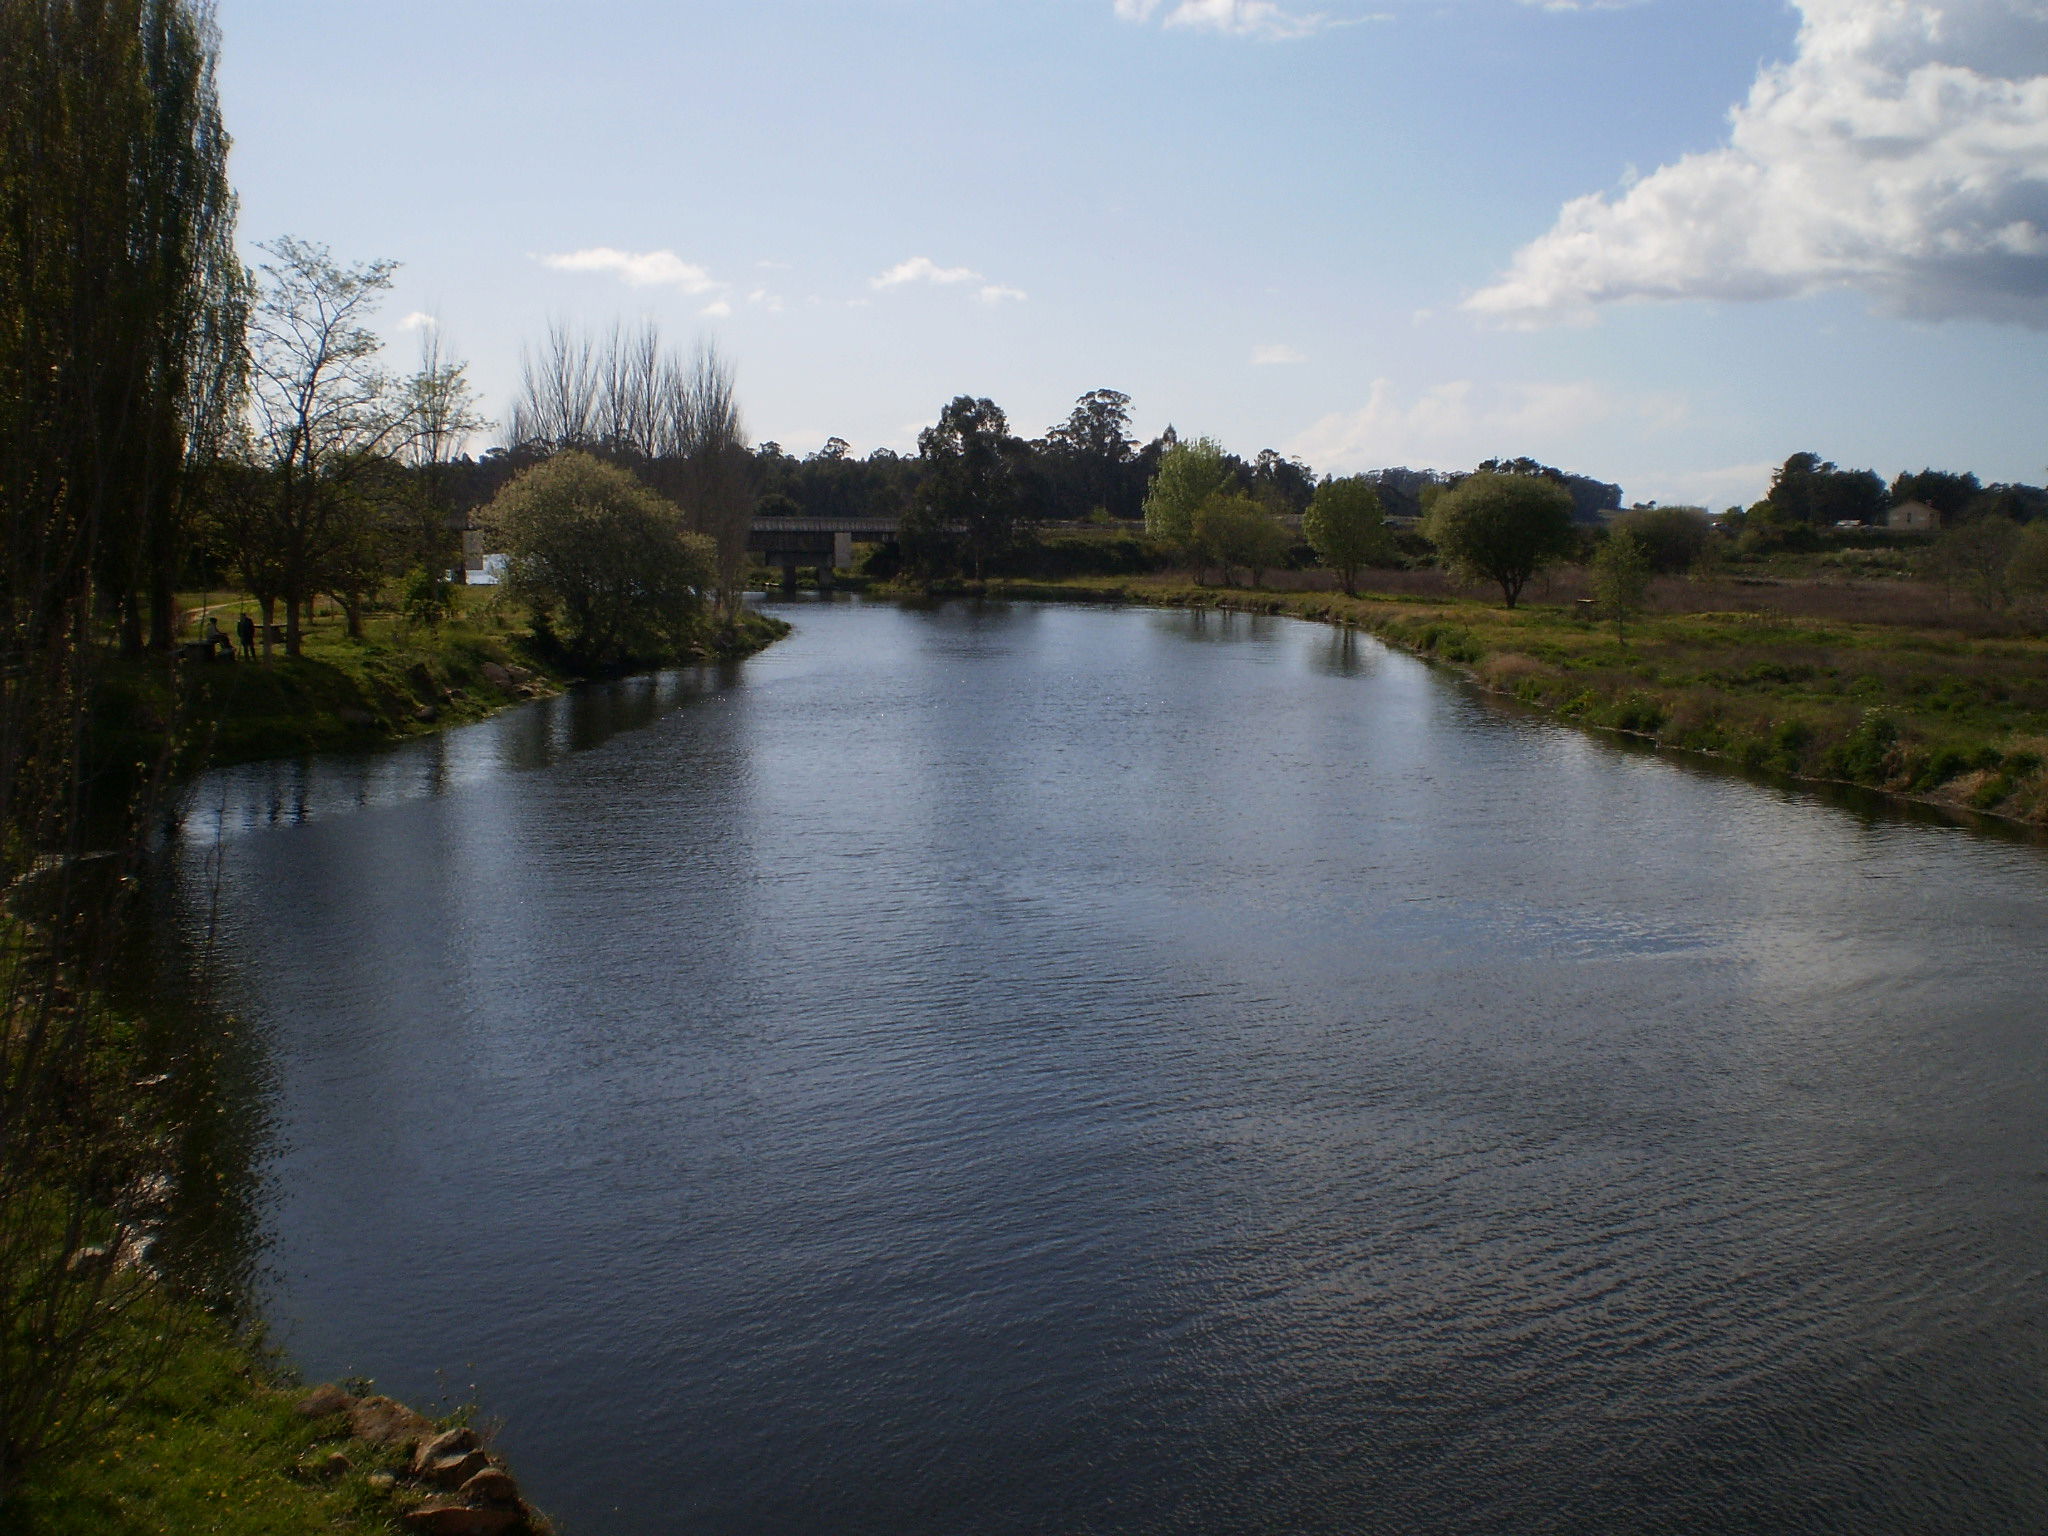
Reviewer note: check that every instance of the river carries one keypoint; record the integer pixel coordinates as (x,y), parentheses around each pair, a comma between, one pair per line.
(1008,1069)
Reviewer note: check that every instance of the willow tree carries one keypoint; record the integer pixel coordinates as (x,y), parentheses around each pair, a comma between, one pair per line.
(120,337)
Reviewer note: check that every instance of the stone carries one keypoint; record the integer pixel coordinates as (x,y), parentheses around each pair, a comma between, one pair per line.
(456,1468)
(491,1486)
(460,1520)
(519,674)
(322,1400)
(496,676)
(381,1421)
(426,714)
(451,1457)
(381,1482)
(449,1442)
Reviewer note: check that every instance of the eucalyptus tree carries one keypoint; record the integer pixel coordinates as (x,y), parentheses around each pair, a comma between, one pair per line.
(976,494)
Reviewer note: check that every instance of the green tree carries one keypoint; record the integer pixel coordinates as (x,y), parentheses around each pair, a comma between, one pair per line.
(1346,526)
(1672,537)
(1232,529)
(1621,579)
(974,497)
(1190,472)
(590,540)
(1502,529)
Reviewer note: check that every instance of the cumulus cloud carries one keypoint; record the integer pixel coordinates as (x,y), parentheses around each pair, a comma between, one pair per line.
(1241,18)
(922,269)
(418,320)
(1901,152)
(1461,422)
(1264,357)
(640,269)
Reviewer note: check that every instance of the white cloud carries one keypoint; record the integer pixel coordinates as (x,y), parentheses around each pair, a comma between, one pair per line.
(1241,18)
(717,309)
(1902,152)
(641,269)
(418,320)
(1264,357)
(1582,5)
(1456,424)
(922,269)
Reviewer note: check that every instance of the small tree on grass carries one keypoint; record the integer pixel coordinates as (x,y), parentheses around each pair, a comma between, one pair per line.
(590,540)
(1502,529)
(1231,530)
(1347,527)
(1621,579)
(1189,474)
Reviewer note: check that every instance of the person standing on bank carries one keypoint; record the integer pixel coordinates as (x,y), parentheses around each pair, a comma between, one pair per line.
(245,631)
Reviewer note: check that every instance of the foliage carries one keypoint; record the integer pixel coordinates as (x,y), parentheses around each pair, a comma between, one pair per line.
(1672,538)
(1621,579)
(1346,526)
(1189,474)
(1231,529)
(589,539)
(1502,529)
(975,498)
(1810,491)
(121,304)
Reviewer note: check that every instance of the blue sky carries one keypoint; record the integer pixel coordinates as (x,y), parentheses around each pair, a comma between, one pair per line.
(1666,242)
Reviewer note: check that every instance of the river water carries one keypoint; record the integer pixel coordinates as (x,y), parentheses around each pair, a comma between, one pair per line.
(1022,1069)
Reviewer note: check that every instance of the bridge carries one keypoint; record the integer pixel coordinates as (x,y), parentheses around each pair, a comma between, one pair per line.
(826,542)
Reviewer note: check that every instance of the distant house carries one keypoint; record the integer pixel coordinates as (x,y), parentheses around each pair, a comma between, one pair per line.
(1913,516)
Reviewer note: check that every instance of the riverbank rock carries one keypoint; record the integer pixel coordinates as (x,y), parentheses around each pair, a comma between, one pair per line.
(381,1421)
(452,1457)
(322,1400)
(491,1486)
(495,675)
(461,1520)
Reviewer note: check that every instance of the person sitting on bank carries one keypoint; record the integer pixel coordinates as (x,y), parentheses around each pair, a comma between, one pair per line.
(217,640)
(245,631)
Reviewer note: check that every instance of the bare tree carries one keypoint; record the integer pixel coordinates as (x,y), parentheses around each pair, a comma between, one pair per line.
(325,413)
(676,422)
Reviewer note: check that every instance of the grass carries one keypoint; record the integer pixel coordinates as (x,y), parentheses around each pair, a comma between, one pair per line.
(1935,713)
(399,680)
(214,1445)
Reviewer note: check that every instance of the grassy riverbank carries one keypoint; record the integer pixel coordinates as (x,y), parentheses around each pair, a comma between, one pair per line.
(212,1445)
(1934,714)
(397,681)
